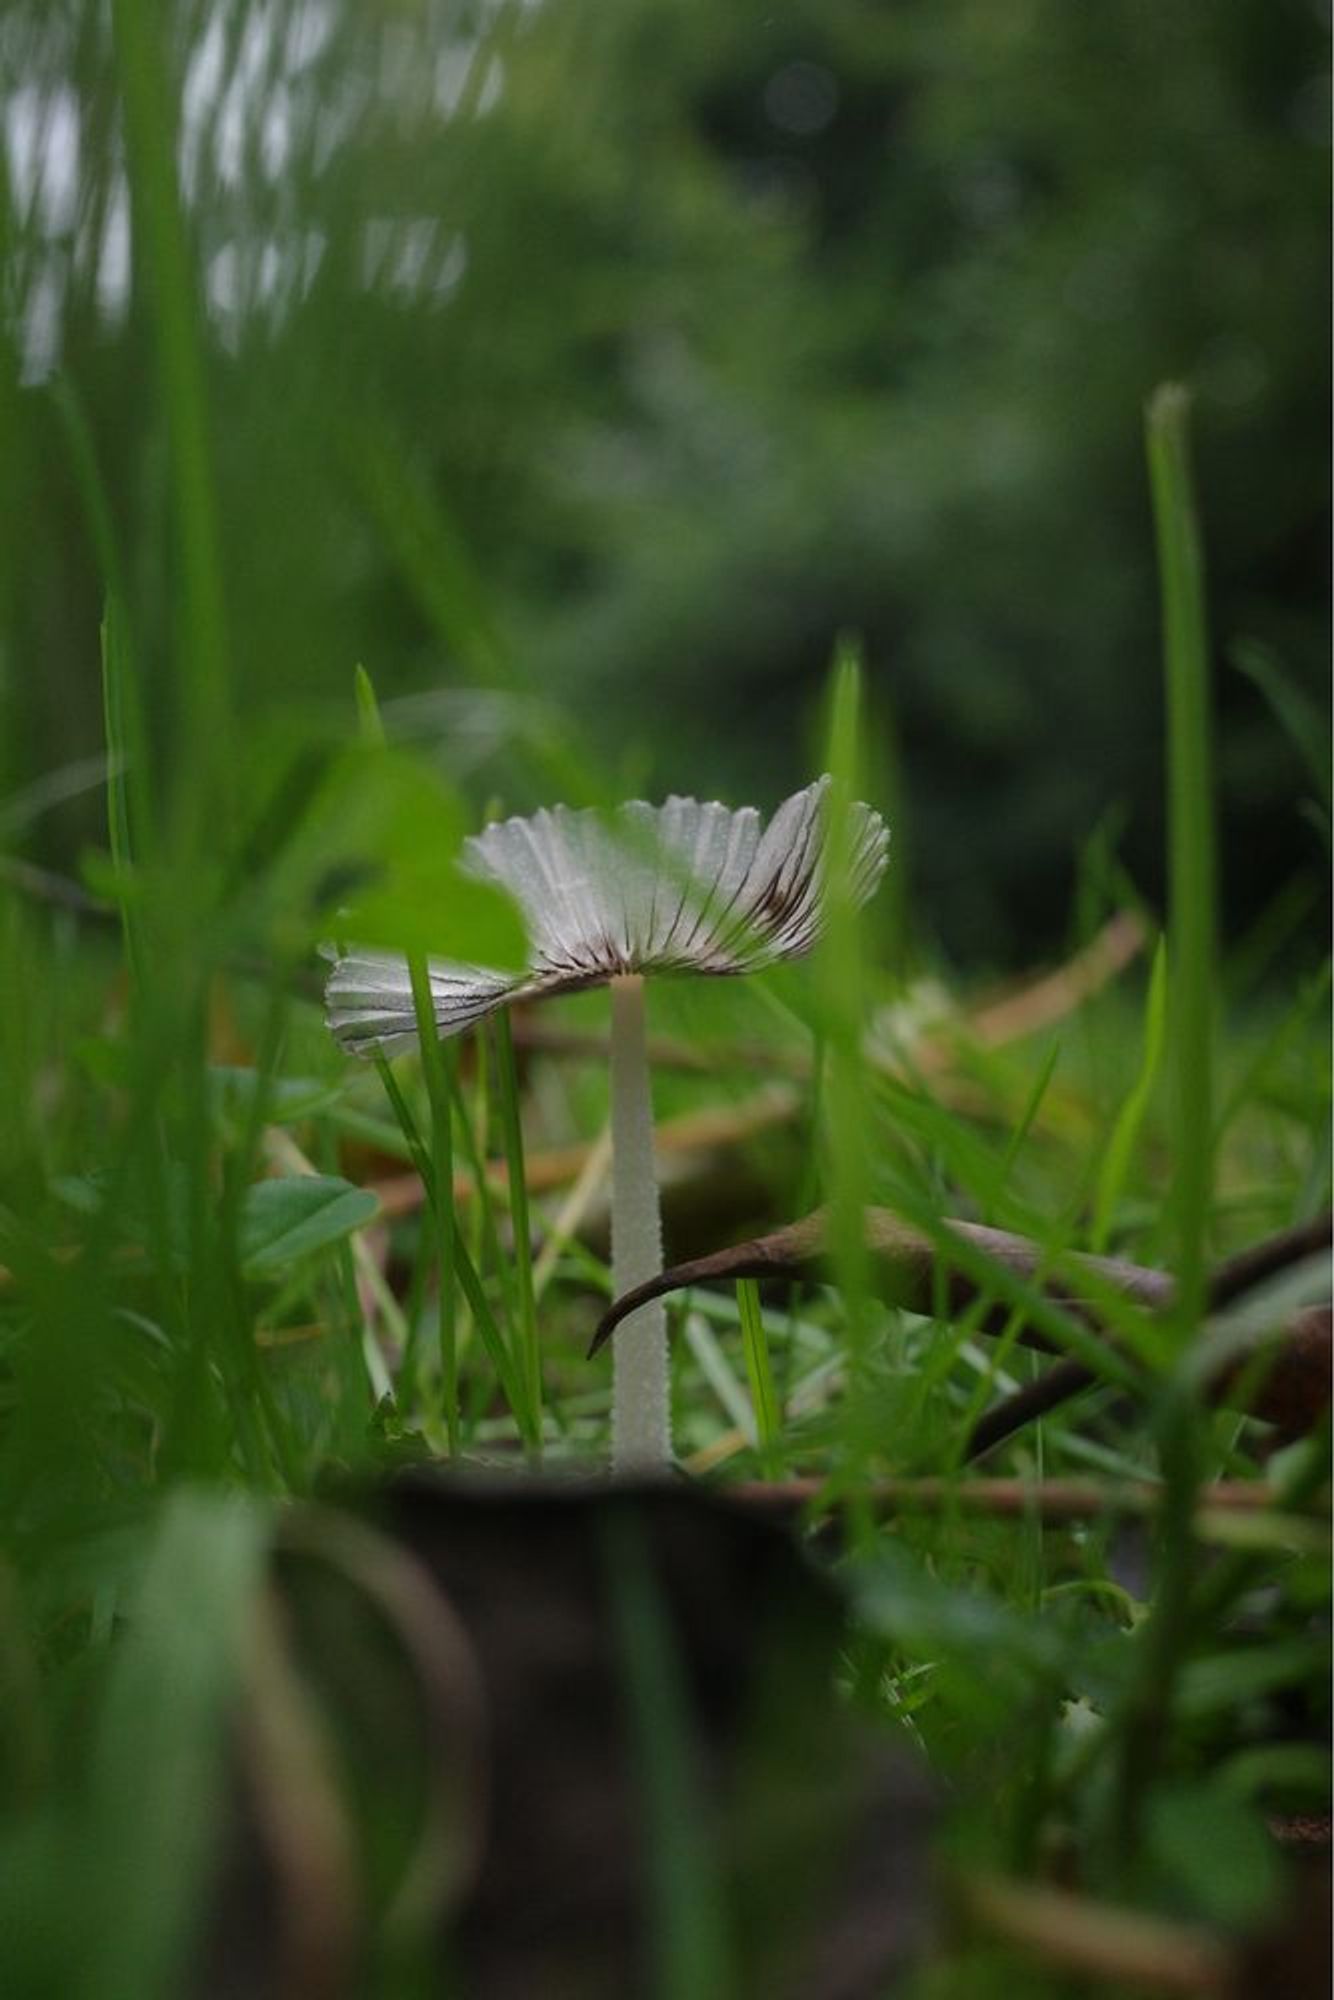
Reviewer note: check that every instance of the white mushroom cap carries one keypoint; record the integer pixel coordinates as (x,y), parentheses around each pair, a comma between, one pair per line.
(680,887)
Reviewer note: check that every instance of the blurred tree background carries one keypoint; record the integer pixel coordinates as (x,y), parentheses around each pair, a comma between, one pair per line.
(602,364)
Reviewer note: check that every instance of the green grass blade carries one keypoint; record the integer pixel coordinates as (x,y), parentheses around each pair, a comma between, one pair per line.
(203,755)
(434,1066)
(1117,1157)
(1028,1115)
(1191,950)
(157,1778)
(530,1358)
(1191,944)
(1306,727)
(841,980)
(465,1270)
(370,722)
(126,811)
(686,1917)
(759,1372)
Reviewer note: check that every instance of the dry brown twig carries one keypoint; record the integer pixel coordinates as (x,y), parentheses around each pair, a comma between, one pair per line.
(915,1271)
(1098,1939)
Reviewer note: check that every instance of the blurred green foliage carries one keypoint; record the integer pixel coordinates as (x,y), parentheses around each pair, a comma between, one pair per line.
(583,373)
(620,358)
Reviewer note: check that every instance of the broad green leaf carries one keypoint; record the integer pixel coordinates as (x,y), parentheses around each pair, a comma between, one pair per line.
(1297,1774)
(285,1219)
(1217,1852)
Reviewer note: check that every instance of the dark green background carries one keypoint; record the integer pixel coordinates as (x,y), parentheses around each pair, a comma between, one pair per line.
(606,362)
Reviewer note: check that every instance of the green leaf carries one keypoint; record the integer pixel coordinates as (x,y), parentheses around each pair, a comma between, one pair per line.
(1295,1775)
(1216,1852)
(282,1220)
(378,864)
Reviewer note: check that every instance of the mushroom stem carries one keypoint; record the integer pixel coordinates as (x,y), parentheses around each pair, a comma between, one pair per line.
(641,1435)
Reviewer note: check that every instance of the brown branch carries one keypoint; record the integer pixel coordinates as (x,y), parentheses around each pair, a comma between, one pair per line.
(1284,1379)
(1063,1381)
(1247,1268)
(912,1271)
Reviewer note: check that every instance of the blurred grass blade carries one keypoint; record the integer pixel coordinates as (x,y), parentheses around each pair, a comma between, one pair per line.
(840,976)
(157,1792)
(530,1358)
(1193,974)
(129,825)
(126,776)
(1306,727)
(686,1917)
(759,1371)
(370,722)
(464,1268)
(1037,1094)
(163,269)
(92,487)
(430,553)
(434,560)
(1191,945)
(441,1190)
(1116,1161)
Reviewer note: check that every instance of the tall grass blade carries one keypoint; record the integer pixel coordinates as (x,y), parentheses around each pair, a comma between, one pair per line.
(530,1357)
(465,1270)
(1191,944)
(841,985)
(1192,973)
(125,786)
(687,1927)
(434,1061)
(1306,727)
(158,1760)
(370,722)
(1117,1158)
(162,262)
(759,1372)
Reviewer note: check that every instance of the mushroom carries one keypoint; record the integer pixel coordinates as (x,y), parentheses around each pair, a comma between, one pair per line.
(677,888)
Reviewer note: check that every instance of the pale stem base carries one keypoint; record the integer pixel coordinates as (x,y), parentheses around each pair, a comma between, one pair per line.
(641,1437)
